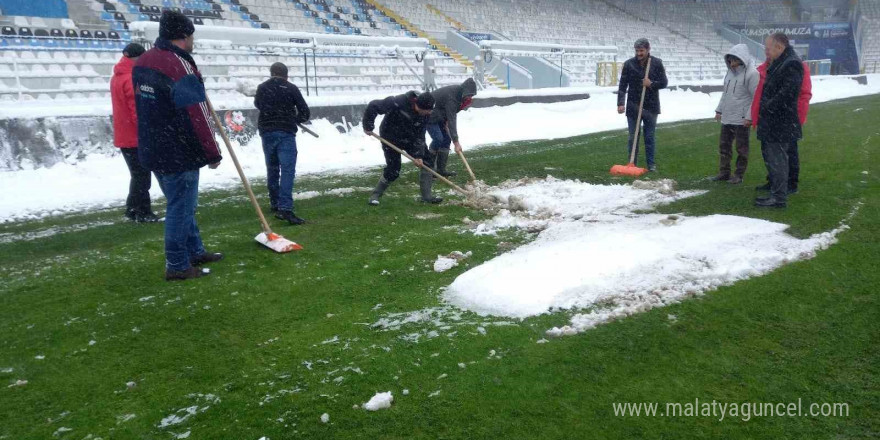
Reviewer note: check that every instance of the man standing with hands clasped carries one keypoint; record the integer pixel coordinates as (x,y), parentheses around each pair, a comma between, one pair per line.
(175,139)
(778,122)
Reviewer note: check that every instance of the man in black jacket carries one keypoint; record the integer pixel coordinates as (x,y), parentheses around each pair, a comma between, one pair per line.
(406,117)
(778,122)
(443,124)
(281,107)
(632,79)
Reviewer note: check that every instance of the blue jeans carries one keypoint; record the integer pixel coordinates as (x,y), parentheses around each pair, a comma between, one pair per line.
(182,239)
(649,122)
(440,139)
(279,147)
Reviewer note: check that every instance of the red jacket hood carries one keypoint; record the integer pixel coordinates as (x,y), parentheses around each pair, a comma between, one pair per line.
(123,67)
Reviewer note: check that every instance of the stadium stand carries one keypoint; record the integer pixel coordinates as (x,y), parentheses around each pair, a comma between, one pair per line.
(869,24)
(66,49)
(590,23)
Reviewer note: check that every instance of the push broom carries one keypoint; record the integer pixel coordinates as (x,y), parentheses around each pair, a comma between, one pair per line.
(413,160)
(631,169)
(267,238)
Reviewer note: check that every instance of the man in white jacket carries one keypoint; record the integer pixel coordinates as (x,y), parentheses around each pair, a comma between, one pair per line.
(734,112)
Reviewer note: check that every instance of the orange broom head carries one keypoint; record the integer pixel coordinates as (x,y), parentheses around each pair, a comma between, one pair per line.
(627,170)
(277,243)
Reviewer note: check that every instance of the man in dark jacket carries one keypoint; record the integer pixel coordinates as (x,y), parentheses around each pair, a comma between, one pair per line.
(778,122)
(125,136)
(175,139)
(443,124)
(632,79)
(406,117)
(281,107)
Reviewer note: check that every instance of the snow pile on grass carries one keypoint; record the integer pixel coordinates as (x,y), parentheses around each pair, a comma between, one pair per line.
(442,264)
(379,401)
(594,253)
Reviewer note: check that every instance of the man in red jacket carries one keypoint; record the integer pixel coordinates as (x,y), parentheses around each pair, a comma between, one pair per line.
(125,136)
(806,93)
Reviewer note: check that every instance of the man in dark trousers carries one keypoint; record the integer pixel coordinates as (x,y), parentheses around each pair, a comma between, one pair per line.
(175,139)
(632,79)
(778,122)
(125,136)
(443,124)
(281,107)
(404,124)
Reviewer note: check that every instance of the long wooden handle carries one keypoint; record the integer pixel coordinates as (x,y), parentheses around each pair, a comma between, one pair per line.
(305,129)
(632,155)
(413,160)
(461,155)
(244,180)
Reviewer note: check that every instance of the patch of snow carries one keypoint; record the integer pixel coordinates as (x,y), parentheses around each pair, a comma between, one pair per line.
(61,431)
(405,392)
(6,370)
(595,253)
(18,383)
(325,418)
(442,264)
(379,401)
(124,418)
(39,357)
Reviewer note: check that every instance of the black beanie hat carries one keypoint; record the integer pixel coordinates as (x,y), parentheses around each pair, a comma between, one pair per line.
(175,26)
(133,50)
(425,101)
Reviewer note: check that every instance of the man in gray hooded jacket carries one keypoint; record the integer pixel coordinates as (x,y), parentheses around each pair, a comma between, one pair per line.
(734,112)
(443,125)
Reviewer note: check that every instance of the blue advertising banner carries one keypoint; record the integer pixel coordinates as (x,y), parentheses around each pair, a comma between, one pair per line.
(822,41)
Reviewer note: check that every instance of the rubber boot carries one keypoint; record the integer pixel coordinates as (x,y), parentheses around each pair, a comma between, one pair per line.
(380,189)
(426,179)
(442,159)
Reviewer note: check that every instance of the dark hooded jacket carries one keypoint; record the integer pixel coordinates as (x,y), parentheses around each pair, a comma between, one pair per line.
(448,104)
(778,120)
(630,87)
(401,126)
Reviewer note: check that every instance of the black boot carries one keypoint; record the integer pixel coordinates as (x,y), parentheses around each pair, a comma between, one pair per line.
(426,179)
(380,189)
(290,217)
(442,159)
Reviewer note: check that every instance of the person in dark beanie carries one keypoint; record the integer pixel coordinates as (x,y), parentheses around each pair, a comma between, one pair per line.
(443,125)
(175,139)
(281,107)
(778,122)
(125,137)
(632,79)
(404,125)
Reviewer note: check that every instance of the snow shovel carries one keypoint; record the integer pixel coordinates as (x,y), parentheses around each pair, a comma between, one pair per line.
(631,169)
(405,154)
(303,127)
(267,238)
(463,159)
